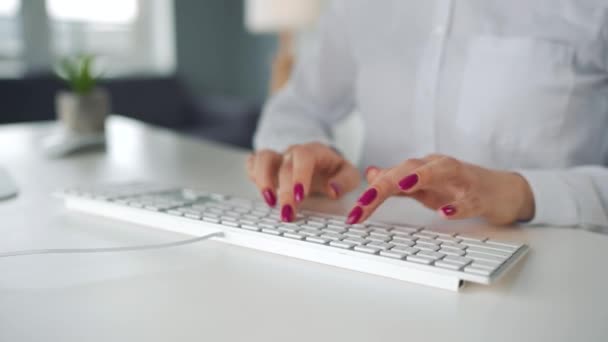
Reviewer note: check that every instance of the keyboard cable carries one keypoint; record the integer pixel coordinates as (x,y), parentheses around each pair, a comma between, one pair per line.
(110,249)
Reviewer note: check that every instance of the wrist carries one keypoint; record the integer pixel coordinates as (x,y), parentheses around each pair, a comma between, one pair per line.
(525,210)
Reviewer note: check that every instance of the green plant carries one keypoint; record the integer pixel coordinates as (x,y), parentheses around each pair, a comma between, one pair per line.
(77,72)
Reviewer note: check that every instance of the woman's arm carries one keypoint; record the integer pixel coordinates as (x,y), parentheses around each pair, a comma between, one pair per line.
(572,197)
(319,94)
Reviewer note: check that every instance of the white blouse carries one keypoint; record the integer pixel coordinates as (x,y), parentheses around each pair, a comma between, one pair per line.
(518,84)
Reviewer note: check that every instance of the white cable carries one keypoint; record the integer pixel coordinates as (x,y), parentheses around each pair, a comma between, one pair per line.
(109,249)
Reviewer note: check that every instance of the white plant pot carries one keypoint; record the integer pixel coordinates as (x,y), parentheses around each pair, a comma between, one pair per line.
(83,114)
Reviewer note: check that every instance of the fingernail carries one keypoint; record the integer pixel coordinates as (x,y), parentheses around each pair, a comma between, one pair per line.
(287,213)
(370,169)
(336,187)
(354,215)
(368,197)
(408,182)
(298,192)
(448,210)
(269,197)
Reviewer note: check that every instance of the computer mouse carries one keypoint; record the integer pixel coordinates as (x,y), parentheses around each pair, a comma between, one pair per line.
(8,187)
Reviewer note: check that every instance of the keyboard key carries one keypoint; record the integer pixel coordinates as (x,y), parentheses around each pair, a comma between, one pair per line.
(333,231)
(342,244)
(426,247)
(489,251)
(315,224)
(211,219)
(288,229)
(404,229)
(448,265)
(470,238)
(427,241)
(512,246)
(332,236)
(457,260)
(380,245)
(402,242)
(379,232)
(229,223)
(361,231)
(193,216)
(272,231)
(453,245)
(310,232)
(485,257)
(479,271)
(432,255)
(293,235)
(267,225)
(378,238)
(355,240)
(354,234)
(420,259)
(250,227)
(425,235)
(365,249)
(405,250)
(317,239)
(393,254)
(451,251)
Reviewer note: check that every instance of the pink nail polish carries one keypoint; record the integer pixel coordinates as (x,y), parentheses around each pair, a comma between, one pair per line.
(298,192)
(287,213)
(354,215)
(448,210)
(368,197)
(408,182)
(335,187)
(269,197)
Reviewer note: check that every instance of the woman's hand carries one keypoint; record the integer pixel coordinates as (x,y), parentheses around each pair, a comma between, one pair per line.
(455,189)
(300,171)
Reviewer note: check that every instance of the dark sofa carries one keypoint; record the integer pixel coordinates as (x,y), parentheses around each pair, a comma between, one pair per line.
(162,101)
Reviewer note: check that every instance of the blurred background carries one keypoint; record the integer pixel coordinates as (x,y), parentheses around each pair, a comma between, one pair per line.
(201,67)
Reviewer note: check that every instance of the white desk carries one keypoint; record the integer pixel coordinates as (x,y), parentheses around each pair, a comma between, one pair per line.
(215,292)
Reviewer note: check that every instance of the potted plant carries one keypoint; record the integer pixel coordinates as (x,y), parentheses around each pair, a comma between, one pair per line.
(84,108)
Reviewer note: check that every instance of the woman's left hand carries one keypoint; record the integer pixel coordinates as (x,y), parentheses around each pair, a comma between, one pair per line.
(454,188)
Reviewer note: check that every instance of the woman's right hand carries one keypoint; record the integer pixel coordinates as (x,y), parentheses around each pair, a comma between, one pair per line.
(300,171)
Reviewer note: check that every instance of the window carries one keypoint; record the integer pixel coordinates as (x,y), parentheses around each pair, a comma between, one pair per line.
(10,37)
(128,36)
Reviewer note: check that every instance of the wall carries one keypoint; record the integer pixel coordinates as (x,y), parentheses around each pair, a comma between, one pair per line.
(215,55)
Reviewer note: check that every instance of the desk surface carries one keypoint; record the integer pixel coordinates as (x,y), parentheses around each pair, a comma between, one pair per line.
(215,292)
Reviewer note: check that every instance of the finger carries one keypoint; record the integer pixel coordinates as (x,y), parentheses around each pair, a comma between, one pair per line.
(344,181)
(466,207)
(286,199)
(379,190)
(249,164)
(265,167)
(437,173)
(303,169)
(372,172)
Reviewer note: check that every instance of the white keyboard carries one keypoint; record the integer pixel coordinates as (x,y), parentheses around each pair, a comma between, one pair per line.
(403,252)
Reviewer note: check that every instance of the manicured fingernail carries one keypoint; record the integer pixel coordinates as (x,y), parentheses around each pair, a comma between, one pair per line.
(354,215)
(287,213)
(336,187)
(370,169)
(448,210)
(298,192)
(368,197)
(408,182)
(269,197)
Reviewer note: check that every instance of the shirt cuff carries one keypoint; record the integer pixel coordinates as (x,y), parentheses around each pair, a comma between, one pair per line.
(553,202)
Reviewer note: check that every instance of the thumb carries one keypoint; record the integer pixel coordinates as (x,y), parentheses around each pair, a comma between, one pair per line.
(345,180)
